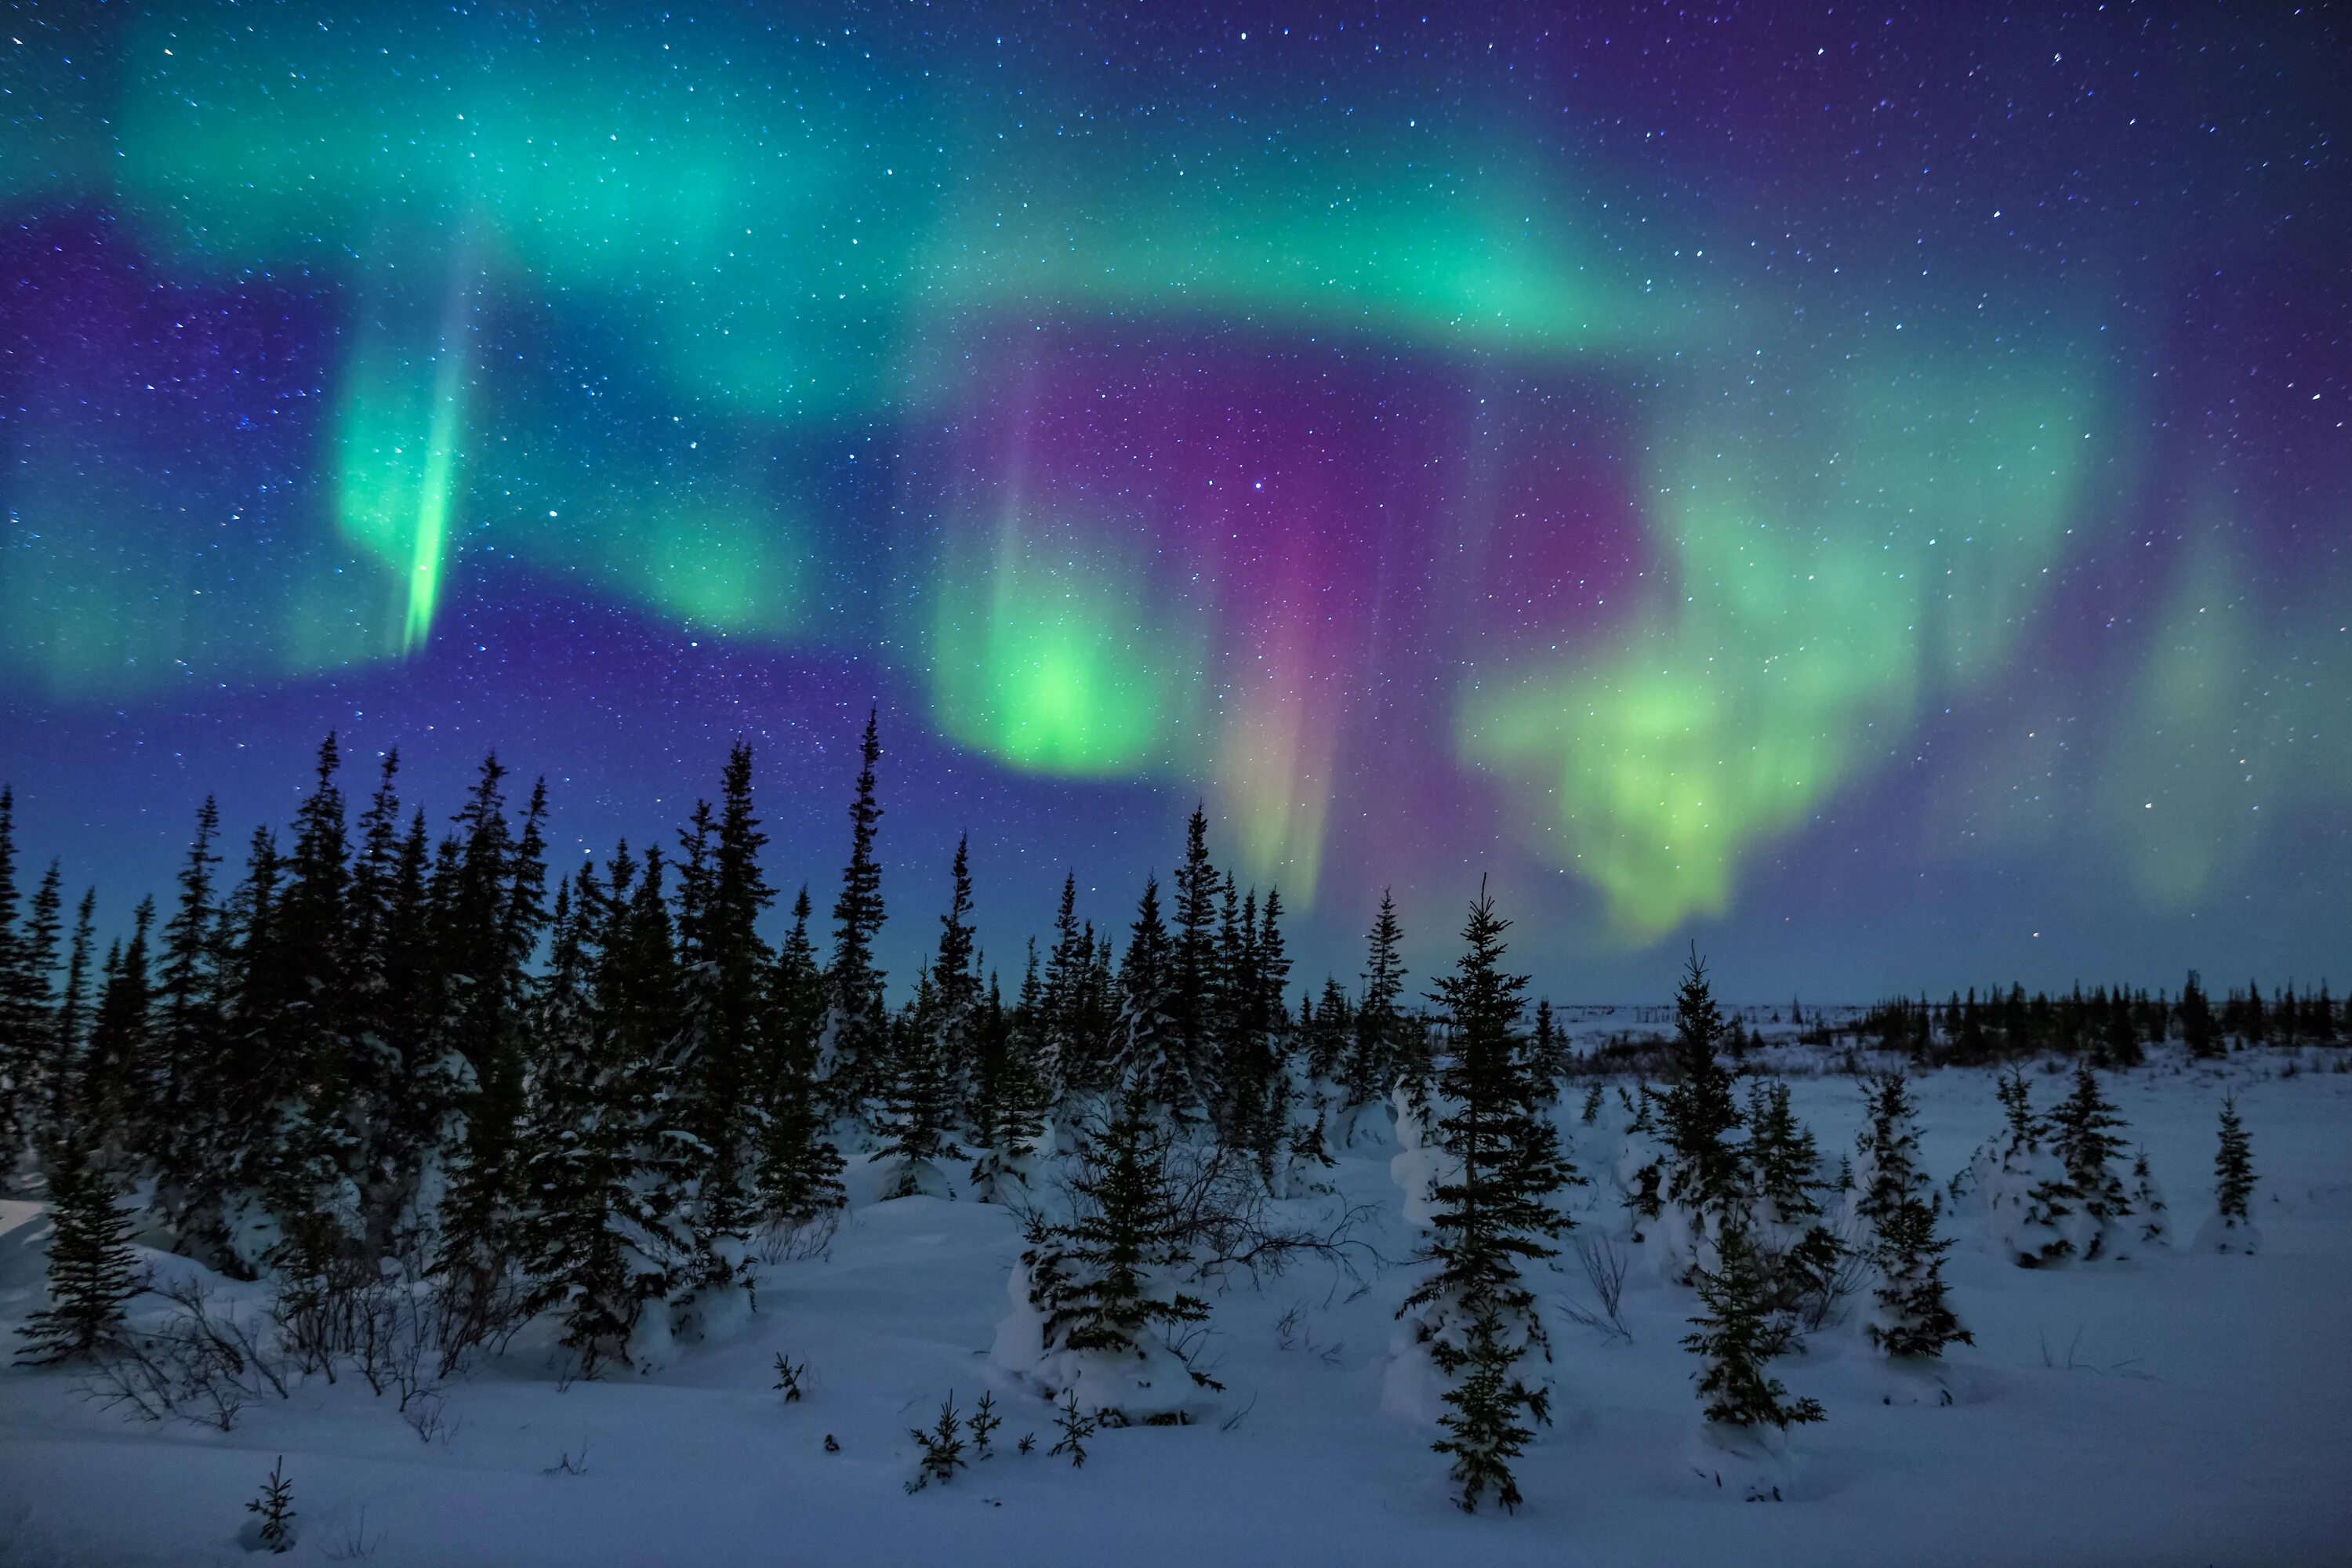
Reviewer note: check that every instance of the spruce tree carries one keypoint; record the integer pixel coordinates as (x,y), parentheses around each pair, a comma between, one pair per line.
(187,1114)
(2233,1175)
(599,1248)
(724,970)
(1474,1314)
(1735,1339)
(2083,1203)
(1887,1170)
(1548,1051)
(1697,1115)
(800,1169)
(1017,1095)
(1914,1319)
(1101,1277)
(1194,966)
(1800,1252)
(22,992)
(857,1027)
(92,1272)
(1145,1046)
(1073,1039)
(491,916)
(1385,1042)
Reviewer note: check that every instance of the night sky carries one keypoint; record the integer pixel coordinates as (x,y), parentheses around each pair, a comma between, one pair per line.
(1865,486)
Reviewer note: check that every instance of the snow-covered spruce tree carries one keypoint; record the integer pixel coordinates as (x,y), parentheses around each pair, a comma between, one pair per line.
(1383,1047)
(1802,1255)
(1887,1173)
(1144,1047)
(1912,1317)
(724,967)
(187,1030)
(1012,1099)
(2085,1203)
(2233,1184)
(1735,1339)
(800,1169)
(92,1272)
(1096,1304)
(1475,1318)
(934,1045)
(491,916)
(596,1244)
(1704,1172)
(1893,1198)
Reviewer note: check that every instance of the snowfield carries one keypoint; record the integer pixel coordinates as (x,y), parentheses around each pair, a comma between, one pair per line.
(2183,1406)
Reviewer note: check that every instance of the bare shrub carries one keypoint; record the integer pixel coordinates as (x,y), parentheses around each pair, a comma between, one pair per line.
(1606,1266)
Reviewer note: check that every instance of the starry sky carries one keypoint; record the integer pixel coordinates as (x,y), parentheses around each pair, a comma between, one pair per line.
(1862,487)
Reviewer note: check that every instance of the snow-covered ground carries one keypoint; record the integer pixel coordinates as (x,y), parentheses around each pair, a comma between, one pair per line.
(2180,1407)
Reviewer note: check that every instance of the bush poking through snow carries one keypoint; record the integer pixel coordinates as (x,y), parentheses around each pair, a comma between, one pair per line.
(789,1374)
(276,1506)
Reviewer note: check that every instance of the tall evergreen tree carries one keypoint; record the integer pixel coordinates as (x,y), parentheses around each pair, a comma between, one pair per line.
(1192,974)
(185,1110)
(596,1242)
(23,993)
(800,1169)
(1072,1041)
(1146,1048)
(1697,1113)
(857,1029)
(725,977)
(1385,1041)
(492,918)
(1475,1315)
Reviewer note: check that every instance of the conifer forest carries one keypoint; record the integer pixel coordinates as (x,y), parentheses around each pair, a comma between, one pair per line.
(383,1127)
(881,783)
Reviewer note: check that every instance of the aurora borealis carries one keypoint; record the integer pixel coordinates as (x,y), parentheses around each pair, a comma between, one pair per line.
(1866,489)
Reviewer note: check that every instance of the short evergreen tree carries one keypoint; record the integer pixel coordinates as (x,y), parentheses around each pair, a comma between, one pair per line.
(941,1448)
(92,1273)
(1913,1318)
(2081,1205)
(276,1506)
(1075,1429)
(1736,1339)
(2234,1168)
(1102,1278)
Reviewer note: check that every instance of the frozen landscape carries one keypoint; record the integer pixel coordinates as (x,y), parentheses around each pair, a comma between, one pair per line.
(2179,1407)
